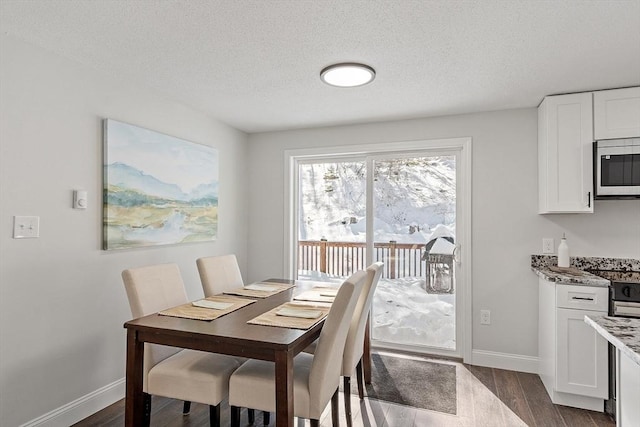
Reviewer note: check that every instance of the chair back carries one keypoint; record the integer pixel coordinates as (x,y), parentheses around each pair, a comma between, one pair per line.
(219,274)
(151,289)
(324,375)
(354,345)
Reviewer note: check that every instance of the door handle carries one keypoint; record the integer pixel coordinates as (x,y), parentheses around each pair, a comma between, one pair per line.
(456,254)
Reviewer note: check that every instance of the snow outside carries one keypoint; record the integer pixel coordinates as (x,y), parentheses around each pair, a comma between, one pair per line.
(414,202)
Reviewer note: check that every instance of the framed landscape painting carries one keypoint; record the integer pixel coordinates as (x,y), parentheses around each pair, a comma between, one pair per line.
(158,189)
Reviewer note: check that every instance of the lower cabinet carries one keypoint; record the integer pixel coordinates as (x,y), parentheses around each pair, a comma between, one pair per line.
(628,383)
(582,356)
(573,358)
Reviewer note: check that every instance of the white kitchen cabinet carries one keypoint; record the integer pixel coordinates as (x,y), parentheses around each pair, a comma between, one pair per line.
(616,113)
(628,390)
(565,154)
(582,356)
(573,358)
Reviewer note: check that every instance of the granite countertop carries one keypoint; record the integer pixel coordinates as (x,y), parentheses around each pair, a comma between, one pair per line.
(622,332)
(585,279)
(541,264)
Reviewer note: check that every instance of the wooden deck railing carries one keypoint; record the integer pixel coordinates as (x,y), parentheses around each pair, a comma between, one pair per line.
(344,258)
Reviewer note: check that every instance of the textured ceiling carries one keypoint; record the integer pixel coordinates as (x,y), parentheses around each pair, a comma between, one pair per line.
(255,64)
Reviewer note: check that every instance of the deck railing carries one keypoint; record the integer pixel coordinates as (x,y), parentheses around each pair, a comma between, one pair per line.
(344,258)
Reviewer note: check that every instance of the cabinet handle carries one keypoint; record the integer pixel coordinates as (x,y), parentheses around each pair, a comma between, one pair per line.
(583,298)
(589,199)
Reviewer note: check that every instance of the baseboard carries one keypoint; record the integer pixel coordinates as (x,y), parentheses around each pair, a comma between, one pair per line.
(81,408)
(511,362)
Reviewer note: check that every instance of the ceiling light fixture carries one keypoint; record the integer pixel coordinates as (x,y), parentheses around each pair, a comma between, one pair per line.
(347,74)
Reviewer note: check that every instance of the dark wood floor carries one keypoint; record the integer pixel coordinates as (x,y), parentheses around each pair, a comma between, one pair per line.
(486,397)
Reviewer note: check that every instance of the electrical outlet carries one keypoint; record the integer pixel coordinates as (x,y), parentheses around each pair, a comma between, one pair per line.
(485,317)
(548,245)
(26,227)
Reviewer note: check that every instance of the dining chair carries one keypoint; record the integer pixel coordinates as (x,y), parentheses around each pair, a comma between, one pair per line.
(354,346)
(315,377)
(188,375)
(219,274)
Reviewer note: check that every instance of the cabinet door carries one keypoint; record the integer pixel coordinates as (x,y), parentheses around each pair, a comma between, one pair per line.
(565,154)
(616,113)
(628,383)
(582,358)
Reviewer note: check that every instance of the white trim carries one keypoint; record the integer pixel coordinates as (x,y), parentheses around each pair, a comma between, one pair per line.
(511,362)
(465,251)
(82,407)
(413,349)
(461,145)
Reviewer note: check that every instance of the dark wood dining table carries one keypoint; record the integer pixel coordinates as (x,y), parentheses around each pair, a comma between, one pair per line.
(229,334)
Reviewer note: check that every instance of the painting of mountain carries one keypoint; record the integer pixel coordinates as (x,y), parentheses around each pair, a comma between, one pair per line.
(158,189)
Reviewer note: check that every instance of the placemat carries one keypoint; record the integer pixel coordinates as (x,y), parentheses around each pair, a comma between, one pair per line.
(189,311)
(316,294)
(270,318)
(253,293)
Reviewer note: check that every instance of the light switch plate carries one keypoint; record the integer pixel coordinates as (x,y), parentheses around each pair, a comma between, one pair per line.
(26,227)
(80,199)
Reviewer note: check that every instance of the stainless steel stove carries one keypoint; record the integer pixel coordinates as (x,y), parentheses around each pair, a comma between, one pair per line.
(624,292)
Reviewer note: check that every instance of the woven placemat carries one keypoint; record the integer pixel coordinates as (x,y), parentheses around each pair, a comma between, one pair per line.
(252,293)
(316,294)
(270,318)
(189,311)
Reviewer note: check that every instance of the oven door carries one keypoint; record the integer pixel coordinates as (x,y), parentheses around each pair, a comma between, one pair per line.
(617,168)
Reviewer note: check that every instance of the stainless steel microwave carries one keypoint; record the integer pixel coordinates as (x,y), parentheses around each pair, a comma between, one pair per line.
(617,168)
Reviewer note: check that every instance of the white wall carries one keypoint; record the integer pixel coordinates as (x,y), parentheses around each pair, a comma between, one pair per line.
(506,229)
(62,302)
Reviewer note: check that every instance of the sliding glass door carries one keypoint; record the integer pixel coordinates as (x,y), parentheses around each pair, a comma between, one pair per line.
(414,214)
(401,208)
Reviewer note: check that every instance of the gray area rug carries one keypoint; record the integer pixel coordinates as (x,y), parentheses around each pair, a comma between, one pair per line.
(417,383)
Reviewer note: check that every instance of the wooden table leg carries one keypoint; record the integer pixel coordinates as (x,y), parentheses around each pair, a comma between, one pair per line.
(366,357)
(284,389)
(134,400)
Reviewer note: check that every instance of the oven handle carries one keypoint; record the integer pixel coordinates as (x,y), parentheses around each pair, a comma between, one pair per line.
(631,309)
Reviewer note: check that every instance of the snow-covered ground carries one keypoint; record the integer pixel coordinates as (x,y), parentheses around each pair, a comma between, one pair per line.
(404,313)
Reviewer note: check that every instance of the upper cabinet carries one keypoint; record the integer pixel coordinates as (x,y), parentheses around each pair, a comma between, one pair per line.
(616,113)
(565,154)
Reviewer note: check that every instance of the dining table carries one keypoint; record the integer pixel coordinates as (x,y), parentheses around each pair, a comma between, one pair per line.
(229,334)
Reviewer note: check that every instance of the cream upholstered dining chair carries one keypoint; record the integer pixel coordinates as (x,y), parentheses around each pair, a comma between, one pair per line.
(315,377)
(354,345)
(188,375)
(219,274)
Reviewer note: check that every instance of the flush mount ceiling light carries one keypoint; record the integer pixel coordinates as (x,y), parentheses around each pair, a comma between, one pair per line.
(348,74)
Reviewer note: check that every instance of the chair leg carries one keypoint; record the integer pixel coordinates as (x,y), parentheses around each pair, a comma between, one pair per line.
(347,399)
(266,418)
(335,409)
(360,379)
(251,415)
(147,409)
(186,408)
(235,416)
(315,423)
(214,415)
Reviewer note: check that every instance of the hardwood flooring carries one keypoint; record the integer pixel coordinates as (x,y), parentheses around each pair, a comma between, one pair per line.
(485,397)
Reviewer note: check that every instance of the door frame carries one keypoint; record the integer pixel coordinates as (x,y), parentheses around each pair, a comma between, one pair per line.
(463,211)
